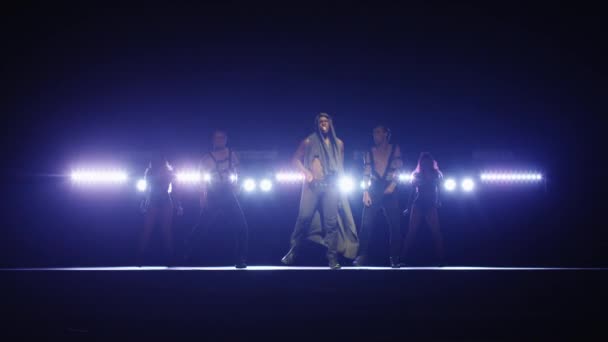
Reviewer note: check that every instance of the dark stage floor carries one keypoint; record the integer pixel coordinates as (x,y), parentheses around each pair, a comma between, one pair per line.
(306,303)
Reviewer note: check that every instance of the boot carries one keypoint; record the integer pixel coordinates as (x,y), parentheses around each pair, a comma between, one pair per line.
(241,264)
(332,260)
(360,261)
(395,262)
(333,264)
(290,257)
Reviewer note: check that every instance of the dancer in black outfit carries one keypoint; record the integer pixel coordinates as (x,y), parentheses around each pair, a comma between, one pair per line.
(218,198)
(381,171)
(158,206)
(424,203)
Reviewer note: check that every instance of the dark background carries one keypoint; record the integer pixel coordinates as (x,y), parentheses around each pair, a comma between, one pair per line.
(94,83)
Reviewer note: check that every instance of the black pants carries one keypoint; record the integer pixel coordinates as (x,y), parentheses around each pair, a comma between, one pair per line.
(222,203)
(388,205)
(324,198)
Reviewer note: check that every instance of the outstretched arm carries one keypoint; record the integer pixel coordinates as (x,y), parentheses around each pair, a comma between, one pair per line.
(236,164)
(341,147)
(439,186)
(367,177)
(203,169)
(412,196)
(394,170)
(175,195)
(145,202)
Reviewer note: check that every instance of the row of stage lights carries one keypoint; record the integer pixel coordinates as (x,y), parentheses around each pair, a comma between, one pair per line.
(346,183)
(497,177)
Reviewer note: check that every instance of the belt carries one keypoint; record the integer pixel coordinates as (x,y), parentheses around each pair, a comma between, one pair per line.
(325,183)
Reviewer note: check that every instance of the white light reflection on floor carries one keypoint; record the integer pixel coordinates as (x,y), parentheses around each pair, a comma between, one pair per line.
(302,268)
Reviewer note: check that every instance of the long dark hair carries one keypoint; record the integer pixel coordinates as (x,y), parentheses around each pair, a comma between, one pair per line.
(423,156)
(159,162)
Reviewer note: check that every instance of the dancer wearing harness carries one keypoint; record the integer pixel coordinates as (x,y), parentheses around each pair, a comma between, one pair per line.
(381,169)
(218,197)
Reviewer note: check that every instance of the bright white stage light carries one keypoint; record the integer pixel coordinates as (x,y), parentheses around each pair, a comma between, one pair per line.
(188,177)
(346,184)
(468,185)
(233,177)
(365,185)
(142,185)
(249,185)
(510,177)
(99,176)
(289,177)
(265,185)
(404,177)
(450,184)
(207,177)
